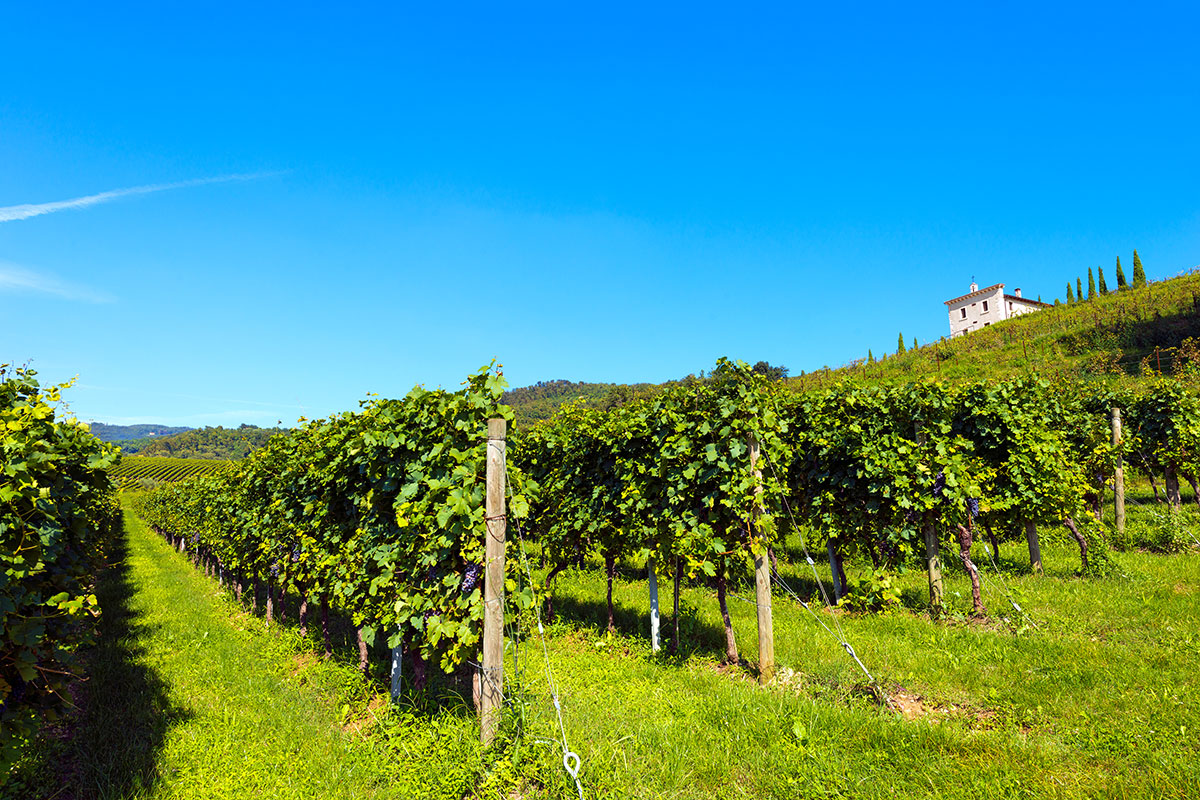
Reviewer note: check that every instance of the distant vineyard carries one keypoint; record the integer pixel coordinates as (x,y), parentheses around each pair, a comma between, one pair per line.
(133,469)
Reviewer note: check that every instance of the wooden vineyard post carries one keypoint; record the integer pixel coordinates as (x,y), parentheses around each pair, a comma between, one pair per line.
(762,580)
(1035,549)
(933,565)
(1118,473)
(655,639)
(491,684)
(933,561)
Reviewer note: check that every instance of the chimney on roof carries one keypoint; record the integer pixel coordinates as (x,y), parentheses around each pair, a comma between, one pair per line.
(1017,292)
(974,286)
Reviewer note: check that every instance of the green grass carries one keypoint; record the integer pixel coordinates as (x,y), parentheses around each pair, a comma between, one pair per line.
(192,697)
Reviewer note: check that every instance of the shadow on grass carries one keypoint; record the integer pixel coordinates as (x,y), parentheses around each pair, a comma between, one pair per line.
(443,692)
(127,711)
(696,635)
(108,745)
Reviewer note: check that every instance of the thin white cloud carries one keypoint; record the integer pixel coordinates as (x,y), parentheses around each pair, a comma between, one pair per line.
(27,210)
(14,278)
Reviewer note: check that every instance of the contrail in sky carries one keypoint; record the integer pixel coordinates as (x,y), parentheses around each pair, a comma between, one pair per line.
(27,210)
(16,278)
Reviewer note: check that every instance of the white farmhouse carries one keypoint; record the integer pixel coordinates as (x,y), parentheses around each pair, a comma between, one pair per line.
(982,307)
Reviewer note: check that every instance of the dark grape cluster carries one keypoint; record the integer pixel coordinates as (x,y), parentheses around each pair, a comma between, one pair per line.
(195,538)
(939,484)
(471,576)
(275,570)
(973,506)
(295,554)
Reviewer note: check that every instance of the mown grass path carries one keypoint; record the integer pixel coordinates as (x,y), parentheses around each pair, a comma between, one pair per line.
(184,701)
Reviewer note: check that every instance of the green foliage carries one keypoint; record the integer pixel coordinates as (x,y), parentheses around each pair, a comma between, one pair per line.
(1079,290)
(1121,284)
(209,443)
(900,348)
(669,475)
(1091,290)
(1162,530)
(1103,284)
(876,591)
(531,404)
(381,510)
(1139,273)
(1070,294)
(770,372)
(58,513)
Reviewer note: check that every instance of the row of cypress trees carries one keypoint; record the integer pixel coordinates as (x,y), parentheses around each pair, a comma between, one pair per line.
(1139,280)
(1074,295)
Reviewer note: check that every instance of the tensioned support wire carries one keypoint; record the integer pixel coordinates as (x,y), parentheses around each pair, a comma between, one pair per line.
(570,760)
(839,635)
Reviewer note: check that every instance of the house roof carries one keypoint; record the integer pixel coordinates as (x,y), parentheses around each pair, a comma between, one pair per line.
(1027,301)
(978,292)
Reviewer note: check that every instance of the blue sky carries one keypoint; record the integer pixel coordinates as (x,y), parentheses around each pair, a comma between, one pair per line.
(604,193)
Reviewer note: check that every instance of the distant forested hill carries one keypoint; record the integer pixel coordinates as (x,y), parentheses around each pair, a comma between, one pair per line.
(543,399)
(123,433)
(218,442)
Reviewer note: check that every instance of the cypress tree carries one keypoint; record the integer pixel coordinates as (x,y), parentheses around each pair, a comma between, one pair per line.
(870,356)
(915,345)
(1070,294)
(1139,274)
(1121,282)
(1078,290)
(1103,285)
(900,347)
(1091,284)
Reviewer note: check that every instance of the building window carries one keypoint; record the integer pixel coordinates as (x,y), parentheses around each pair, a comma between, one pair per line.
(962,312)
(985,306)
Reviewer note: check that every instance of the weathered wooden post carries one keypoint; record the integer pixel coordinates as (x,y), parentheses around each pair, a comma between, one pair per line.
(1035,548)
(655,640)
(491,684)
(933,561)
(762,580)
(1118,473)
(933,565)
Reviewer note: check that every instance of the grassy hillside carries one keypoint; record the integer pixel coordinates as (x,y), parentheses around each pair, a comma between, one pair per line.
(1121,333)
(544,398)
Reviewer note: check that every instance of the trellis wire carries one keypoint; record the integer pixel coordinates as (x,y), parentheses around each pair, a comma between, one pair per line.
(840,636)
(570,759)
